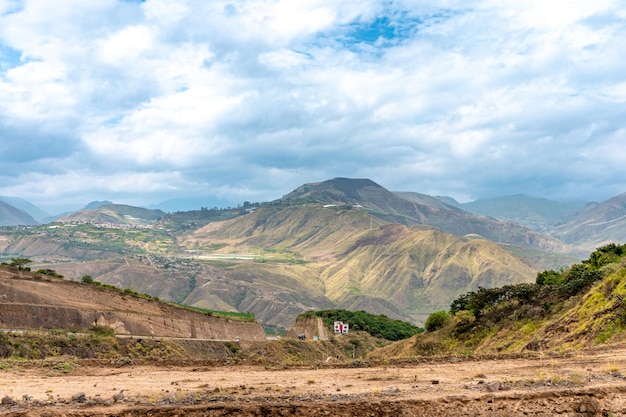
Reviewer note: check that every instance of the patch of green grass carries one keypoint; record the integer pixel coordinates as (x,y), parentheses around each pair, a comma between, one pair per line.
(65,367)
(216,313)
(216,246)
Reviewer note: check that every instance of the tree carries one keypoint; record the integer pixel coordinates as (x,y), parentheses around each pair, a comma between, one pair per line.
(19,263)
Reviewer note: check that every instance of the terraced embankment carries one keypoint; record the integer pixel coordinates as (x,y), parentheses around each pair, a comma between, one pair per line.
(33,301)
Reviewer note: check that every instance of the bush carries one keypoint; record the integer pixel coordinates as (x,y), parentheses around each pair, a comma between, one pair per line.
(102,330)
(436,320)
(49,272)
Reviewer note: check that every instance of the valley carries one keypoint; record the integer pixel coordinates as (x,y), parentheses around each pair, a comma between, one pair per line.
(341,243)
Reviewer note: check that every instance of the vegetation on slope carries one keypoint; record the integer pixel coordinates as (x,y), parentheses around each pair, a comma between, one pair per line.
(567,309)
(376,325)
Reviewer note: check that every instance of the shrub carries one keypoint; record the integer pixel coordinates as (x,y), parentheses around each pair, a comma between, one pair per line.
(49,272)
(436,320)
(102,330)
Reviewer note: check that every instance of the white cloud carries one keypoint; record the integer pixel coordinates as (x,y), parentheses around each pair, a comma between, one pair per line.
(123,48)
(432,97)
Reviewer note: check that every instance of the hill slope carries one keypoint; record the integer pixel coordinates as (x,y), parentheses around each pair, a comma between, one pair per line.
(114,214)
(581,306)
(34,301)
(596,224)
(351,258)
(391,208)
(21,204)
(12,216)
(536,213)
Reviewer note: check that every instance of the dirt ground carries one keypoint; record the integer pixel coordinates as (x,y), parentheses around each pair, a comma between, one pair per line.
(585,383)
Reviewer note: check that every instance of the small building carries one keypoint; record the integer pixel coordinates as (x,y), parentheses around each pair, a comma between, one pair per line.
(341,327)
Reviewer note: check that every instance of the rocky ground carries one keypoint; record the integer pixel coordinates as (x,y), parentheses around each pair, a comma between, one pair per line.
(586,383)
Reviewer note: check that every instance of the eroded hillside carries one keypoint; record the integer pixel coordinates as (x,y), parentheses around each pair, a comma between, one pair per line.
(578,307)
(35,301)
(348,256)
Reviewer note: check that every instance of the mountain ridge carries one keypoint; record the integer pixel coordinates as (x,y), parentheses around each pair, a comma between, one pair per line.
(12,216)
(596,224)
(394,209)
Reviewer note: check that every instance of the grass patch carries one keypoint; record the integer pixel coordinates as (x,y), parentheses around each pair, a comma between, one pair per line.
(65,367)
(248,317)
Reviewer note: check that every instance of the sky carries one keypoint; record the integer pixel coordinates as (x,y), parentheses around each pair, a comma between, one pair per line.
(140,102)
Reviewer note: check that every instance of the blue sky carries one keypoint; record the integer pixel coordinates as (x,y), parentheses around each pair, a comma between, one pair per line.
(139,102)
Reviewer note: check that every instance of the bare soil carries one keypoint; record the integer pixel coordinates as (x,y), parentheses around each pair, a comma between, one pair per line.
(588,383)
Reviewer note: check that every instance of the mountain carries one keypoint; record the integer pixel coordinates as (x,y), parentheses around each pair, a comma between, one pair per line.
(113,214)
(341,243)
(426,200)
(191,203)
(35,212)
(95,204)
(536,213)
(345,257)
(595,225)
(12,216)
(394,209)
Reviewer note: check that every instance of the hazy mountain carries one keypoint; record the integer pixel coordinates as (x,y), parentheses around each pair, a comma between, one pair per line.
(536,213)
(450,201)
(390,207)
(114,214)
(12,216)
(191,203)
(21,204)
(96,204)
(437,202)
(596,224)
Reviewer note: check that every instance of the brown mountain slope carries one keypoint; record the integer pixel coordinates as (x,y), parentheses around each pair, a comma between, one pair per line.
(33,301)
(114,214)
(391,208)
(351,258)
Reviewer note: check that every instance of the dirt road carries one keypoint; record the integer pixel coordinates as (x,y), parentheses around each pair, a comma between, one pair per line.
(588,383)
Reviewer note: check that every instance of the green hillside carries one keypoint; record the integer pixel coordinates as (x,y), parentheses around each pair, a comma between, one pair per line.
(575,307)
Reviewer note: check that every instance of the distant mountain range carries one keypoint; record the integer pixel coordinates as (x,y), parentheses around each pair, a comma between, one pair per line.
(12,216)
(515,219)
(537,213)
(341,243)
(595,225)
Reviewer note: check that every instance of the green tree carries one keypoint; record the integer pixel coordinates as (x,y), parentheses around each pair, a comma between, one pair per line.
(19,263)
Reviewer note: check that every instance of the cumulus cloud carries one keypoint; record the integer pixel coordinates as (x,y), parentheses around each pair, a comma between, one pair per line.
(148,100)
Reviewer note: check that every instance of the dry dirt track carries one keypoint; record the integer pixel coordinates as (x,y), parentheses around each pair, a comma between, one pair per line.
(588,383)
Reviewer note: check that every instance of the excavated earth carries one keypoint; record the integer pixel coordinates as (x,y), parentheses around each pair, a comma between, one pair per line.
(586,383)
